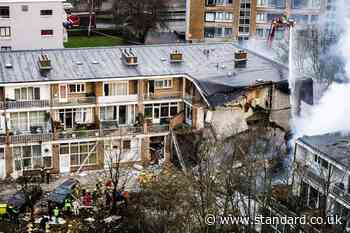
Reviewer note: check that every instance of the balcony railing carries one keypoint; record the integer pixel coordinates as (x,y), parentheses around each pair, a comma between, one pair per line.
(163,96)
(74,101)
(117,99)
(110,132)
(27,104)
(30,138)
(122,131)
(334,189)
(158,128)
(341,194)
(79,134)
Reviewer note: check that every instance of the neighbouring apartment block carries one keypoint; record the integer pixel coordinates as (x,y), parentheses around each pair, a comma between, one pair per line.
(75,109)
(31,24)
(322,176)
(244,19)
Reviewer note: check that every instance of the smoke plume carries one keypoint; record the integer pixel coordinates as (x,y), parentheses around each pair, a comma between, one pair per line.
(332,113)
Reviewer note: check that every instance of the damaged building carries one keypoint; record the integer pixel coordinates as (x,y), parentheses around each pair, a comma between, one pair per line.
(322,177)
(70,110)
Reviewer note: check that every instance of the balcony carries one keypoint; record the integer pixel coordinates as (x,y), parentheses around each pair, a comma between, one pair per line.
(74,101)
(117,99)
(30,138)
(26,104)
(163,96)
(335,190)
(158,128)
(108,132)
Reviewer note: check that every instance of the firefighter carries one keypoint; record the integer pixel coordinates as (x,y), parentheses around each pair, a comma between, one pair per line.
(56,213)
(68,205)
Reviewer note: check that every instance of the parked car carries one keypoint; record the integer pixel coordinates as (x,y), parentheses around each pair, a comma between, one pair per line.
(74,21)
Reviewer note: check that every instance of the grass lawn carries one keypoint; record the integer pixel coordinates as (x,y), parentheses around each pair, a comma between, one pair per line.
(92,41)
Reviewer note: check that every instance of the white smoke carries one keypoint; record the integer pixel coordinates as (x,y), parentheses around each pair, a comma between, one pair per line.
(332,113)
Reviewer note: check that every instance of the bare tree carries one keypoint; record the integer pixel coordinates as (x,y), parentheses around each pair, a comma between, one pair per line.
(140,17)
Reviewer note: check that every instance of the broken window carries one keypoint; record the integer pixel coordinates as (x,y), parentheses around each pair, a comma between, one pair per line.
(80,153)
(30,157)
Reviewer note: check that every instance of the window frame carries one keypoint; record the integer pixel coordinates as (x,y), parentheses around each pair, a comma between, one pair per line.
(46,12)
(46,32)
(5,32)
(19,158)
(82,88)
(163,84)
(79,153)
(4,8)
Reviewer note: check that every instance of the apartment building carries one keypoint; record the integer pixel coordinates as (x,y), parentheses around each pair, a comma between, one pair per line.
(244,19)
(31,24)
(325,178)
(75,109)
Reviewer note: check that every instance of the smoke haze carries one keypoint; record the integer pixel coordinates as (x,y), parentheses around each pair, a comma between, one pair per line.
(332,113)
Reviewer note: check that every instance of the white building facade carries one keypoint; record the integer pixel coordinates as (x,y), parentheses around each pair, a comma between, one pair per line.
(31,24)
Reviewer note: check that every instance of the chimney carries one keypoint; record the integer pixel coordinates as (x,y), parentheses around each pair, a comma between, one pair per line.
(241,58)
(129,57)
(44,64)
(176,56)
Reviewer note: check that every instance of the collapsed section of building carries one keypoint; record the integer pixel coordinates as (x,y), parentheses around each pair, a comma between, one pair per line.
(76,109)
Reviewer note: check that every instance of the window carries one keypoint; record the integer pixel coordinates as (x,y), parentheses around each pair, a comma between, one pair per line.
(210,16)
(27,93)
(46,12)
(115,88)
(71,118)
(26,121)
(77,88)
(5,31)
(47,32)
(272,3)
(119,114)
(261,17)
(126,145)
(4,12)
(80,153)
(5,48)
(165,83)
(167,110)
(218,2)
(299,4)
(30,157)
(218,16)
(25,8)
(148,111)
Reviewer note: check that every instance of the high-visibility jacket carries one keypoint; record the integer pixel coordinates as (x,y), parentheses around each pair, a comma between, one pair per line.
(56,212)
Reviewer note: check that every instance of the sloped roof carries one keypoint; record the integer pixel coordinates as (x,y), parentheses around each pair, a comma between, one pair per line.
(335,146)
(209,71)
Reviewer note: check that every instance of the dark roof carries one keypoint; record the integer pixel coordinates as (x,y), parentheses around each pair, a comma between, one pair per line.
(212,71)
(335,146)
